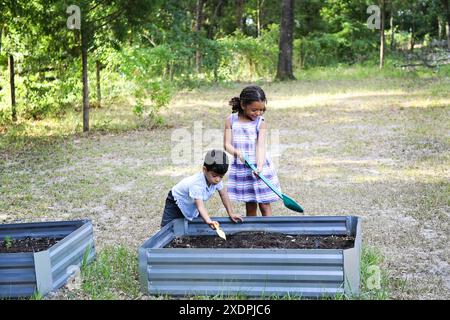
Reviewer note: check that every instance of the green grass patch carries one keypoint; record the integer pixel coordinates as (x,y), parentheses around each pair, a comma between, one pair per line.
(113,275)
(374,279)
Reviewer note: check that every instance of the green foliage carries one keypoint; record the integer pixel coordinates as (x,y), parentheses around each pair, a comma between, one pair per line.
(248,58)
(142,68)
(113,274)
(148,48)
(374,285)
(37,296)
(7,242)
(41,100)
(345,38)
(5,117)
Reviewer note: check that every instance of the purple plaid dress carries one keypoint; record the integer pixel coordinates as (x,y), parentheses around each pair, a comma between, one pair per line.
(243,186)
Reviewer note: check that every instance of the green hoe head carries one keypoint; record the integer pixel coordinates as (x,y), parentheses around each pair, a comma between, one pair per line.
(288,202)
(291,204)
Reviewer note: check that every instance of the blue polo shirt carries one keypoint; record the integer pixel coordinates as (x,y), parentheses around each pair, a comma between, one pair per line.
(191,188)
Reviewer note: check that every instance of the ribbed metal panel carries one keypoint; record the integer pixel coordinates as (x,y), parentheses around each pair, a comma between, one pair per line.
(286,225)
(58,229)
(70,251)
(21,274)
(249,289)
(17,277)
(250,272)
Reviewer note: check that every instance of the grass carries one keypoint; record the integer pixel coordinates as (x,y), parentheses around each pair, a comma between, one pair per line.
(371,70)
(375,281)
(113,275)
(7,241)
(365,144)
(37,296)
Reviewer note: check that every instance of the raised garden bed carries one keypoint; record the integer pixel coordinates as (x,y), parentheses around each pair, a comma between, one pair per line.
(324,262)
(38,257)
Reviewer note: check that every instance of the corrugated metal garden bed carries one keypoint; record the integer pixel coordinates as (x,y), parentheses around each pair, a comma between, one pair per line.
(43,268)
(253,272)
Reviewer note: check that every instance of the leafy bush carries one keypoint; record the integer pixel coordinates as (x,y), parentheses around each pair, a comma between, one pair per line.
(5,116)
(352,44)
(142,67)
(248,58)
(41,99)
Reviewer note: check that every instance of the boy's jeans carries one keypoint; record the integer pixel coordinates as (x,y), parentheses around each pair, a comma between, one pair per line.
(171,210)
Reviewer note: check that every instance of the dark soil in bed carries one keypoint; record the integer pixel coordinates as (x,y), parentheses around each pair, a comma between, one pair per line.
(263,240)
(26,245)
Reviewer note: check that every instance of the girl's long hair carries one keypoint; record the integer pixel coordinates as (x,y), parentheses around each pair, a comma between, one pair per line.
(248,95)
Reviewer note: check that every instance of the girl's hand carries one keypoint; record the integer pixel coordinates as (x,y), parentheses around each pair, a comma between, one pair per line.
(240,156)
(258,171)
(236,218)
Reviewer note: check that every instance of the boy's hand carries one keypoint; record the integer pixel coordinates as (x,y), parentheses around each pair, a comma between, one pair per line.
(213,224)
(236,218)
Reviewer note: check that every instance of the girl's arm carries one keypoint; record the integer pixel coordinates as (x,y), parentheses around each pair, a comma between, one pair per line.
(227,204)
(204,213)
(227,140)
(261,146)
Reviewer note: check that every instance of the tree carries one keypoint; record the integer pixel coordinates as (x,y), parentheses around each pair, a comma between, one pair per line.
(382,36)
(392,26)
(98,67)
(239,14)
(445,4)
(259,6)
(215,15)
(13,88)
(284,70)
(12,11)
(198,27)
(109,20)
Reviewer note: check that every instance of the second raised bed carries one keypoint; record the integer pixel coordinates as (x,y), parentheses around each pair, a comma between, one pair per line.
(253,272)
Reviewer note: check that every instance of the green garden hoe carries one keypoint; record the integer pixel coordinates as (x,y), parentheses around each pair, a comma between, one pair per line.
(288,202)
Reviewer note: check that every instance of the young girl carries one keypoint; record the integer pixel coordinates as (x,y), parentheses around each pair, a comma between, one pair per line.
(245,133)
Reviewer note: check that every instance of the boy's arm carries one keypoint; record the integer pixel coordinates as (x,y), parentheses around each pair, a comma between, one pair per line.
(204,213)
(227,204)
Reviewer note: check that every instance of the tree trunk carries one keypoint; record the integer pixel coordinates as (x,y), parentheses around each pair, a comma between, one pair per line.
(98,66)
(13,88)
(239,14)
(259,4)
(391,25)
(198,27)
(1,31)
(214,18)
(447,29)
(446,5)
(284,70)
(382,36)
(84,62)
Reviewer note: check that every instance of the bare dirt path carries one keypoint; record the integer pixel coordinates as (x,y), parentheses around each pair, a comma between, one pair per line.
(376,148)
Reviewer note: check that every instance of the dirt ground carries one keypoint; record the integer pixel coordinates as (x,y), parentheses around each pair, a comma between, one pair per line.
(263,240)
(377,149)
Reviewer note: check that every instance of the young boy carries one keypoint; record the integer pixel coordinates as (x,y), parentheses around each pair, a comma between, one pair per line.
(186,199)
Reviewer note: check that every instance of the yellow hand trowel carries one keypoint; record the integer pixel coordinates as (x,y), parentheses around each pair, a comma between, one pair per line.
(219,231)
